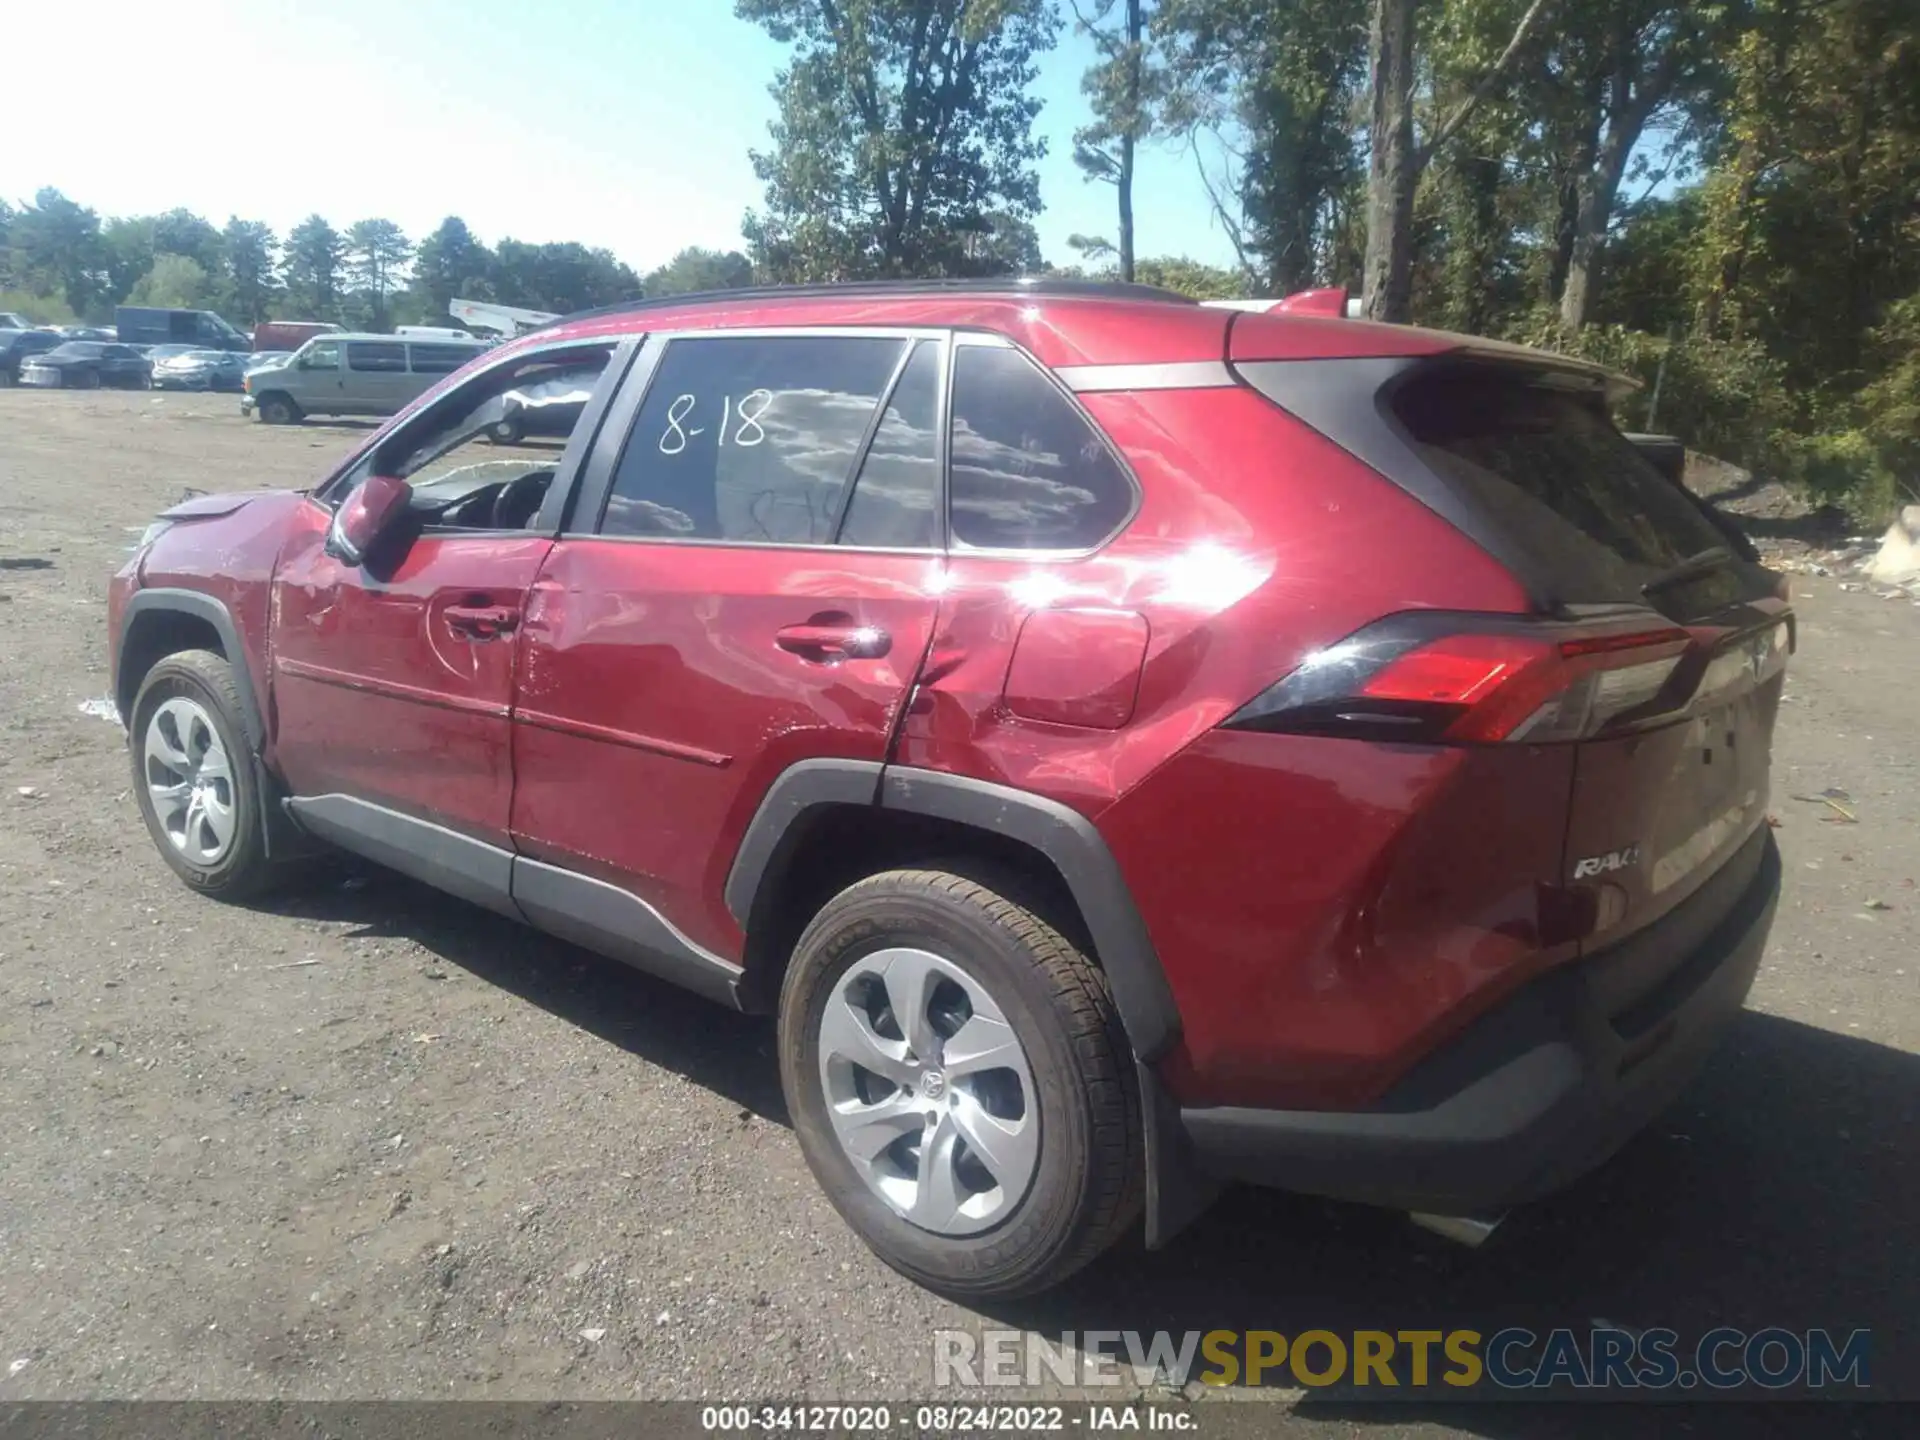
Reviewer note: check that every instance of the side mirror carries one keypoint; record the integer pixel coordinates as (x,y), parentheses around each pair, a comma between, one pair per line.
(368,513)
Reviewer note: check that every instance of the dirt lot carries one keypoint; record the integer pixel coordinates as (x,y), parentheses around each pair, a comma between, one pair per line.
(368,1142)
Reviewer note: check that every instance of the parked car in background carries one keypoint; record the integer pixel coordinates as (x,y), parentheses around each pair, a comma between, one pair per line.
(83,332)
(289,335)
(1130,746)
(152,325)
(200,370)
(16,346)
(14,320)
(352,375)
(87,365)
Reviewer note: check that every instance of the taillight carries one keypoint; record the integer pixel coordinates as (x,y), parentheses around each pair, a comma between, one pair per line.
(1473,680)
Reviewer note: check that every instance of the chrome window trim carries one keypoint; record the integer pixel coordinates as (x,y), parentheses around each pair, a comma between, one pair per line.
(1168,375)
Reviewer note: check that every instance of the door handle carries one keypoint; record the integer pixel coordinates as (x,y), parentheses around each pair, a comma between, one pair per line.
(827,643)
(481,622)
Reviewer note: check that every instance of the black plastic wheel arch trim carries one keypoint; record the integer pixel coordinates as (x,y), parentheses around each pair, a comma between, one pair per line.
(1070,841)
(201,607)
(1063,835)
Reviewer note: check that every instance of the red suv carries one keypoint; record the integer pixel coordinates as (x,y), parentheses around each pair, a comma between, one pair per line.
(1130,744)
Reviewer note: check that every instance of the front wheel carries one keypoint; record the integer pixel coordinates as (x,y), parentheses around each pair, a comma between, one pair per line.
(277,410)
(193,776)
(960,1084)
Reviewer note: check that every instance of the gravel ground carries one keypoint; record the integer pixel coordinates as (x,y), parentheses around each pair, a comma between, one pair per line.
(365,1141)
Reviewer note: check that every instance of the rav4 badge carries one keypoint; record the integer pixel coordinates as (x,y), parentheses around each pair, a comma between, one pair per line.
(1605,864)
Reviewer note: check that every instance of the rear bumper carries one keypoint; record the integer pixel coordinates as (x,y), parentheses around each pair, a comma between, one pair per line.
(1538,1091)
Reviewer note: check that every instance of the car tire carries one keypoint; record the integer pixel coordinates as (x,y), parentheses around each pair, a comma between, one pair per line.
(277,409)
(187,735)
(1065,1104)
(89,380)
(506,432)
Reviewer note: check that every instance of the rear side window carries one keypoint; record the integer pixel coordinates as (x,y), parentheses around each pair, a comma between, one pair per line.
(750,440)
(1028,472)
(1548,467)
(438,359)
(378,357)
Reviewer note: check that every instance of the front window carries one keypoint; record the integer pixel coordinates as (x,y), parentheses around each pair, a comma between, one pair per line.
(476,458)
(321,355)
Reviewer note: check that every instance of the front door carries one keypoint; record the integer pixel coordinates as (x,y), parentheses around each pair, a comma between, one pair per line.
(393,680)
(319,387)
(733,603)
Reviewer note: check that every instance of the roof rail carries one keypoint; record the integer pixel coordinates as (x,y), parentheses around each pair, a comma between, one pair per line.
(856,289)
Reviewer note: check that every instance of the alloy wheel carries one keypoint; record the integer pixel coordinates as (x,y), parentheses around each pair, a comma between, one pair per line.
(190,780)
(929,1091)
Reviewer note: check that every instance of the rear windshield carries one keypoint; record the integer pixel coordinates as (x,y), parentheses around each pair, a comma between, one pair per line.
(1549,469)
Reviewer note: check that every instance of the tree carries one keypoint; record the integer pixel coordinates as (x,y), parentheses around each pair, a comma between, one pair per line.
(57,248)
(901,123)
(181,232)
(128,252)
(1124,87)
(1273,88)
(1190,277)
(1637,55)
(450,264)
(246,270)
(694,269)
(175,282)
(375,252)
(1395,160)
(310,269)
(564,277)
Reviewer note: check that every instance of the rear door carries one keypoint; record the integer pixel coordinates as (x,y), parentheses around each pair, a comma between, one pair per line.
(701,626)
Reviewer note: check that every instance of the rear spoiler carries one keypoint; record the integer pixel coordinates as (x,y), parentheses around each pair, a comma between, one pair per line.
(1337,303)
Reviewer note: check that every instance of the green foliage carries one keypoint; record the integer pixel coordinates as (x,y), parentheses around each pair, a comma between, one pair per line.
(374,252)
(175,282)
(902,124)
(450,264)
(1190,277)
(1280,82)
(310,270)
(694,270)
(563,277)
(246,267)
(41,309)
(57,250)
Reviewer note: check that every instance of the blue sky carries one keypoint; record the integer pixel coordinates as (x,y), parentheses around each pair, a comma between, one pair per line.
(623,123)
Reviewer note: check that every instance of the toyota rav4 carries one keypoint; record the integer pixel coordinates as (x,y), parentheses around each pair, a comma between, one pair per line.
(1129,744)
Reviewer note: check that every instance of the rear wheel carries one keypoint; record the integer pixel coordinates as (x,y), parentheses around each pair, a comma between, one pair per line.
(506,432)
(193,777)
(960,1084)
(88,380)
(277,409)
